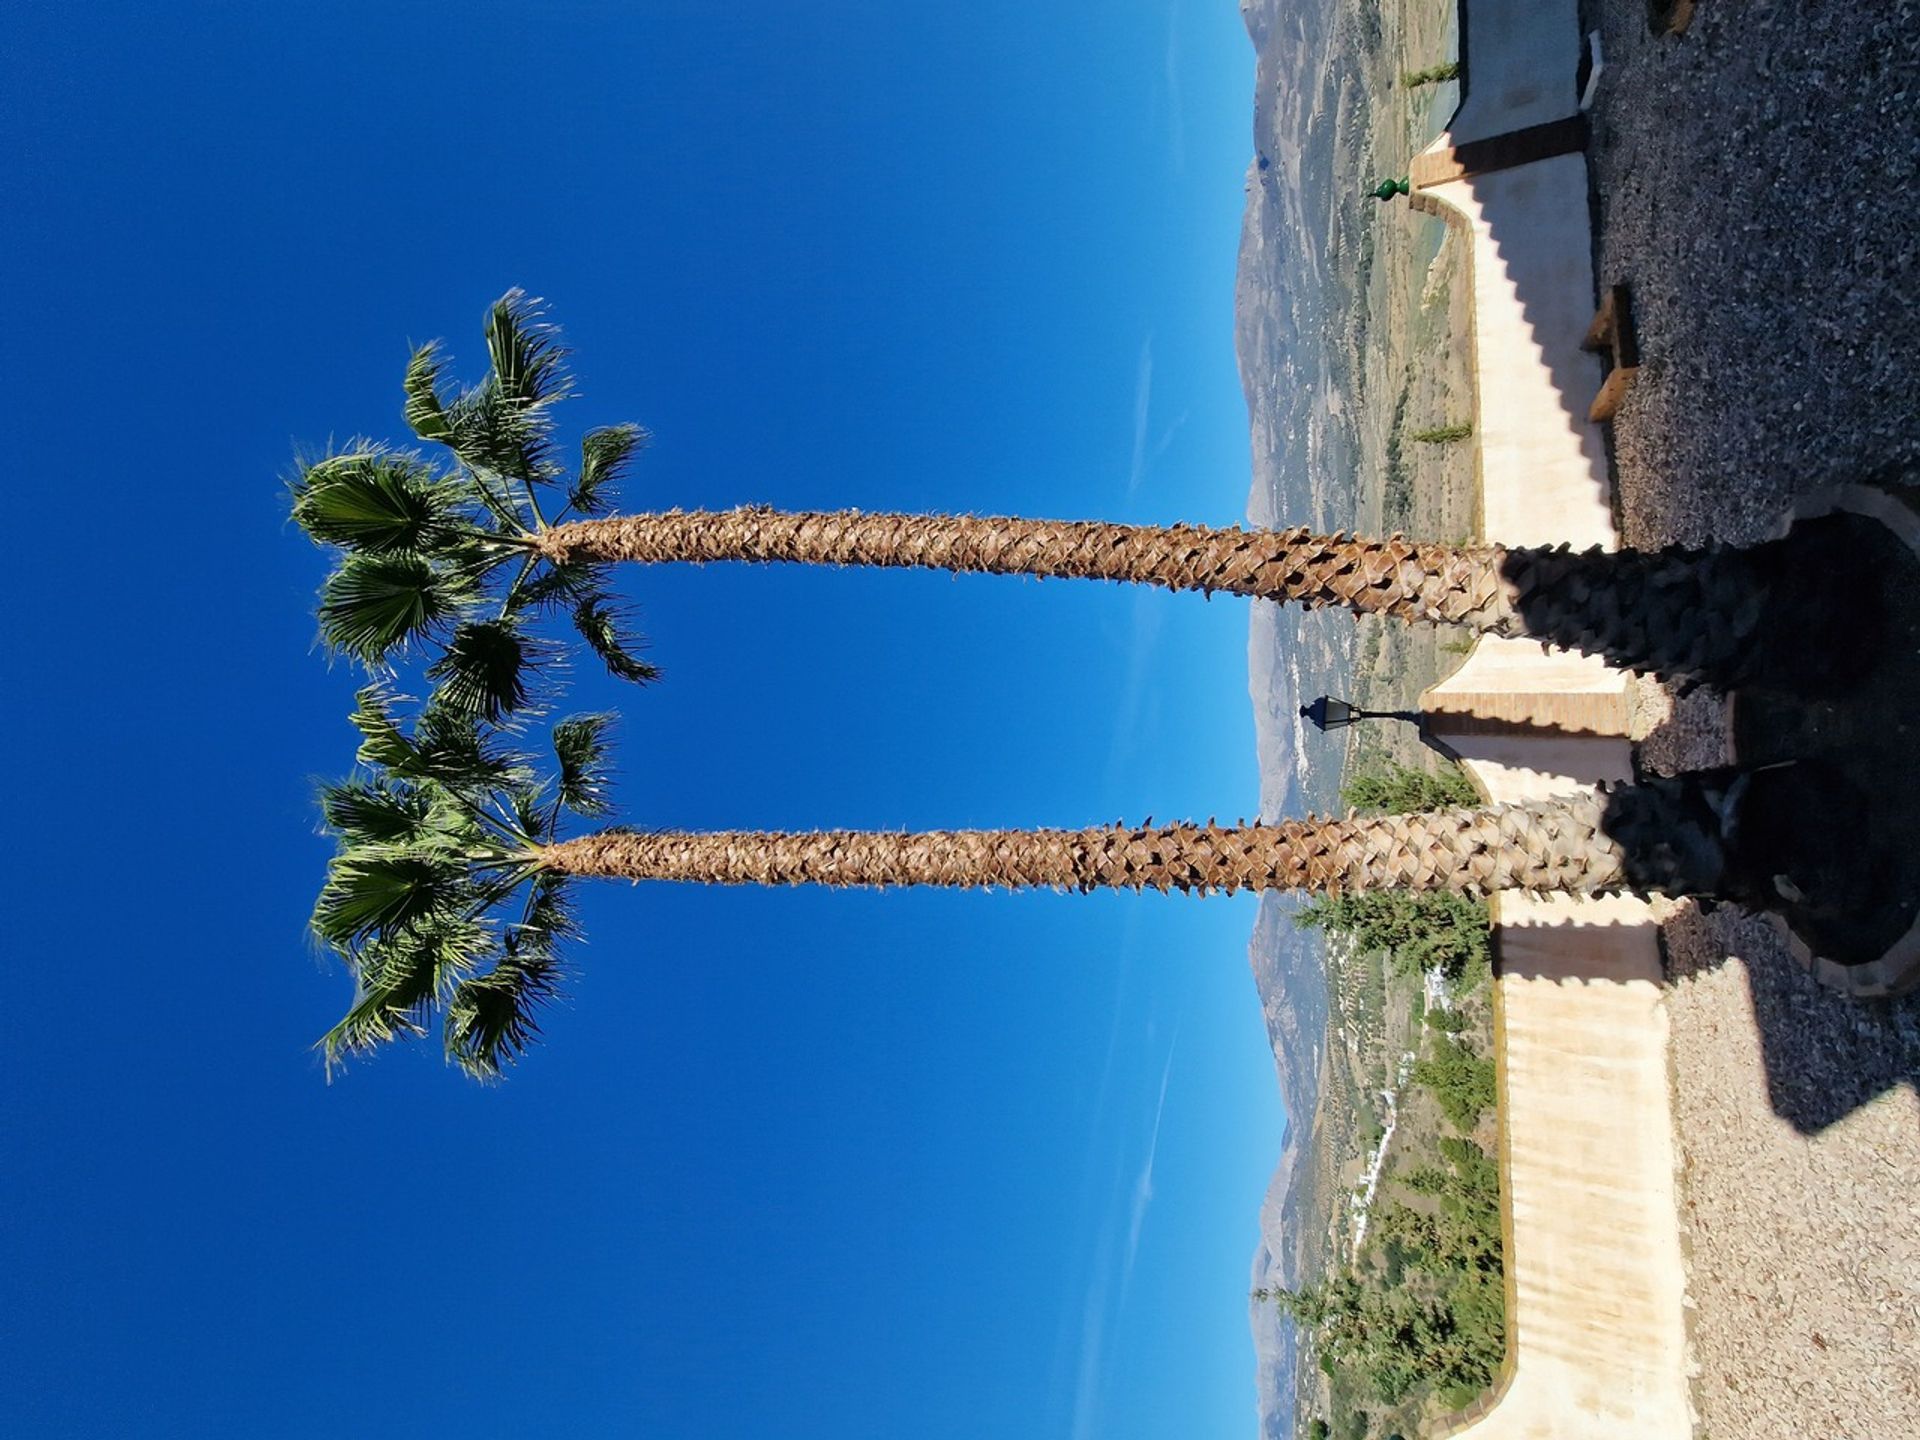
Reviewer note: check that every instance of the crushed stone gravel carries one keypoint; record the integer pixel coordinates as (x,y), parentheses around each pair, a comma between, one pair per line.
(1757,185)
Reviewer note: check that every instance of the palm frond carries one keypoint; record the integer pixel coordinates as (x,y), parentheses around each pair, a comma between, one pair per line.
(528,360)
(373,605)
(599,625)
(494,434)
(485,668)
(563,586)
(425,411)
(549,910)
(493,1019)
(383,744)
(381,890)
(370,1022)
(399,981)
(448,747)
(605,456)
(527,803)
(580,745)
(374,500)
(375,812)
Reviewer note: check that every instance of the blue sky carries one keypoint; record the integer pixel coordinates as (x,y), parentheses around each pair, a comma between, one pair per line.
(801,1163)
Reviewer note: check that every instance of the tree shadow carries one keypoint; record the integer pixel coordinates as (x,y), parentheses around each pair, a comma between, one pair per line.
(1825,1054)
(1713,445)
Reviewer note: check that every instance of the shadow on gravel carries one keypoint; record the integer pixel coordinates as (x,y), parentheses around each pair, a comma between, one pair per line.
(1825,1055)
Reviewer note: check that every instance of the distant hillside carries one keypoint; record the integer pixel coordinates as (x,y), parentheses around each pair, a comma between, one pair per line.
(1298,354)
(1289,973)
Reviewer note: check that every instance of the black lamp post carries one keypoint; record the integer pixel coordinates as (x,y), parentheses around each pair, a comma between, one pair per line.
(1331,713)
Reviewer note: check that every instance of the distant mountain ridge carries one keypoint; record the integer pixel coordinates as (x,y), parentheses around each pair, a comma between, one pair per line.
(1290,306)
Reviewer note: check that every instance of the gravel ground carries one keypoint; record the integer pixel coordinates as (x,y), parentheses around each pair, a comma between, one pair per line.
(1755,186)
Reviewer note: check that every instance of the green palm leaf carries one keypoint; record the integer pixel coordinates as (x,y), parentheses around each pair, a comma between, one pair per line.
(527,803)
(383,744)
(548,917)
(564,586)
(373,500)
(483,671)
(529,362)
(426,413)
(384,811)
(374,605)
(580,745)
(380,890)
(495,435)
(375,812)
(448,747)
(599,625)
(605,456)
(493,1019)
(399,981)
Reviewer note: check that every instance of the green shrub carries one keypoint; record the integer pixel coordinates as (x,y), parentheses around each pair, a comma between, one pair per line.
(1443,434)
(1397,789)
(1460,1078)
(1432,75)
(1417,930)
(1433,1316)
(1396,495)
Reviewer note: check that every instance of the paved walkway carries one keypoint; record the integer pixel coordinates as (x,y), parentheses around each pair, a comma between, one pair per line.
(1595,1276)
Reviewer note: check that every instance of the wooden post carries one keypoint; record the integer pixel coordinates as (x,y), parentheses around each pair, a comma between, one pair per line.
(1612,334)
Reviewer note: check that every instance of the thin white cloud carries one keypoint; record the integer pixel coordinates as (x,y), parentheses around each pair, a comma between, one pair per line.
(1142,408)
(1114,1265)
(1166,439)
(1086,1380)
(1145,457)
(1143,1183)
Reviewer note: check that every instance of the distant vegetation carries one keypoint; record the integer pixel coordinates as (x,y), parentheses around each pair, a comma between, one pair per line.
(1432,75)
(1443,434)
(1422,1311)
(1418,931)
(1426,1304)
(1395,789)
(1414,930)
(1460,1077)
(1396,495)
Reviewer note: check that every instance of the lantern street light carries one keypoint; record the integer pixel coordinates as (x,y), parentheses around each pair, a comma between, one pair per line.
(1331,713)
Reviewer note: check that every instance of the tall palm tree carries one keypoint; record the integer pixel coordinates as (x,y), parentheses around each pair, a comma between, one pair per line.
(440,559)
(449,888)
(459,560)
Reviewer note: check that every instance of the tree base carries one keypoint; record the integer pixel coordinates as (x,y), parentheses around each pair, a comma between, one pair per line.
(1829,837)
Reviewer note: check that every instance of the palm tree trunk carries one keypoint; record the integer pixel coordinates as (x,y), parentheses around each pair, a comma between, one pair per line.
(1688,614)
(1586,843)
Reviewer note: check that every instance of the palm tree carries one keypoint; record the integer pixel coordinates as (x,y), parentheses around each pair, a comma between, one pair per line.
(449,887)
(460,560)
(442,558)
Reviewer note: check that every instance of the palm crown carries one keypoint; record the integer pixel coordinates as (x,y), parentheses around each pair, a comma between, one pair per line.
(443,556)
(433,896)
